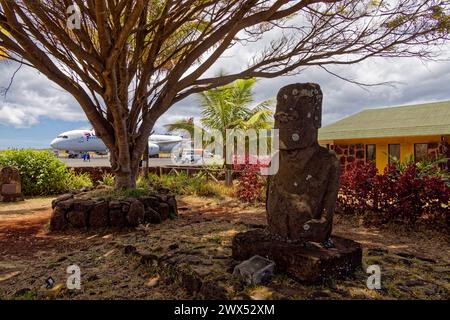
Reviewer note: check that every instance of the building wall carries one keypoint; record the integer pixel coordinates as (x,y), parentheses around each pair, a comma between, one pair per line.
(351,150)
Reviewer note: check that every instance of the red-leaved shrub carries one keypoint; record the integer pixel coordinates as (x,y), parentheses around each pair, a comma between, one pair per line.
(396,195)
(250,184)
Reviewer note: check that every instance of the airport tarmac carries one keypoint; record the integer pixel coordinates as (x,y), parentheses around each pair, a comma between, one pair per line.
(104,162)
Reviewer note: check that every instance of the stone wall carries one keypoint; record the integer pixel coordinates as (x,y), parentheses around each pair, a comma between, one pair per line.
(85,211)
(348,153)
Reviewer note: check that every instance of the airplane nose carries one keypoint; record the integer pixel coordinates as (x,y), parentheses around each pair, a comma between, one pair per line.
(54,144)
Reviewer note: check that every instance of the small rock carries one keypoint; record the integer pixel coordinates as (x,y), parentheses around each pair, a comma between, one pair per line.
(255,270)
(148,258)
(61,259)
(152,282)
(128,249)
(190,282)
(92,278)
(431,291)
(404,289)
(22,292)
(173,246)
(413,283)
(211,290)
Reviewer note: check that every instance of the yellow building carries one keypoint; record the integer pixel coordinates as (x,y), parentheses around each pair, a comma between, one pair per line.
(419,131)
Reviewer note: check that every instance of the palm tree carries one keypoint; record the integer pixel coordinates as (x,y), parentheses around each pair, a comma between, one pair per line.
(229,107)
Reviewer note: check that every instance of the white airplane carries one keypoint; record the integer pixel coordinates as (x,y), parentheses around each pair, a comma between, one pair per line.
(76,142)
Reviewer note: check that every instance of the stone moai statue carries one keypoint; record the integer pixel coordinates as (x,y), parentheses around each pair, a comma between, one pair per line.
(10,185)
(301,197)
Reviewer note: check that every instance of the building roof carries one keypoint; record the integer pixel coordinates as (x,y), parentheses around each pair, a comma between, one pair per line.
(414,120)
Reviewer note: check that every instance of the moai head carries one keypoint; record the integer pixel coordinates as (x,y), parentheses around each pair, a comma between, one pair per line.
(298,115)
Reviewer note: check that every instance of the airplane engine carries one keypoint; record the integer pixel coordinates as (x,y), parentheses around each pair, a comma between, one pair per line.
(153,150)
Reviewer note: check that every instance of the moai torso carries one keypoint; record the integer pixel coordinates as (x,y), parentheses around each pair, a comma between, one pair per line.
(301,197)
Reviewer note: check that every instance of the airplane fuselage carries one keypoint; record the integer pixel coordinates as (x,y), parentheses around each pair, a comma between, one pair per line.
(80,141)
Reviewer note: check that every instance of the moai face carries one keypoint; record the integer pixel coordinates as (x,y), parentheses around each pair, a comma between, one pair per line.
(298,115)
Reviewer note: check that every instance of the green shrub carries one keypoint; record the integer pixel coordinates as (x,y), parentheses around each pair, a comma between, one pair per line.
(187,185)
(78,181)
(41,171)
(108,179)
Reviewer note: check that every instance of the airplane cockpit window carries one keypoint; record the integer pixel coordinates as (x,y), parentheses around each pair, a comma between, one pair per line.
(63,137)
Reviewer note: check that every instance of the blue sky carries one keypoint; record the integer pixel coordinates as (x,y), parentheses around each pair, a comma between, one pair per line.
(35,110)
(36,136)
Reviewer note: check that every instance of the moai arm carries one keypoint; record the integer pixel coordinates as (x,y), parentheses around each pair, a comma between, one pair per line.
(331,194)
(322,225)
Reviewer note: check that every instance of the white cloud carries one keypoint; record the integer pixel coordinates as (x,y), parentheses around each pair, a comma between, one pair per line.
(32,97)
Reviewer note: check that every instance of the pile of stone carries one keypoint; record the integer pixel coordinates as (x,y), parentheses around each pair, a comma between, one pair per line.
(82,211)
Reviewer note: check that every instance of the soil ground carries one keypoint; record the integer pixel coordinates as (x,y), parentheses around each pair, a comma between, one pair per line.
(415,264)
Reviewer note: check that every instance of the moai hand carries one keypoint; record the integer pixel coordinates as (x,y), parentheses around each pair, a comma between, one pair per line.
(301,196)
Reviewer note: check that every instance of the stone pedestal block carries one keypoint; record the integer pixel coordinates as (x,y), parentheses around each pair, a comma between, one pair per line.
(10,185)
(306,262)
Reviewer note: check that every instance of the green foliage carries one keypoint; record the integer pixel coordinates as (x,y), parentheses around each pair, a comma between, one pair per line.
(183,184)
(131,193)
(425,168)
(229,107)
(108,179)
(41,172)
(78,181)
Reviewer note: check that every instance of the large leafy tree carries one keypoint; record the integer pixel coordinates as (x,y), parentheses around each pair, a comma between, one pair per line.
(130,60)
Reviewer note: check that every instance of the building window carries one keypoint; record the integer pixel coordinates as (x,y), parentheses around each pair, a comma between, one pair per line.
(394,152)
(371,152)
(420,151)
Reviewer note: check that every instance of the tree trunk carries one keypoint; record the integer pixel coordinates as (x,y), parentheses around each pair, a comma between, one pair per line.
(125,180)
(126,171)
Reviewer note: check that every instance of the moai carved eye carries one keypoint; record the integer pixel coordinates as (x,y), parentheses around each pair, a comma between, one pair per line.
(295,137)
(306,227)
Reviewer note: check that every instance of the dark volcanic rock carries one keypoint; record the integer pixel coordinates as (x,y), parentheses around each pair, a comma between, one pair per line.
(136,213)
(77,219)
(152,216)
(58,220)
(164,211)
(211,290)
(150,202)
(82,205)
(63,197)
(116,218)
(190,282)
(99,215)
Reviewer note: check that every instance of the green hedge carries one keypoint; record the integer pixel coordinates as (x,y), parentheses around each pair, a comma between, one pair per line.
(42,172)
